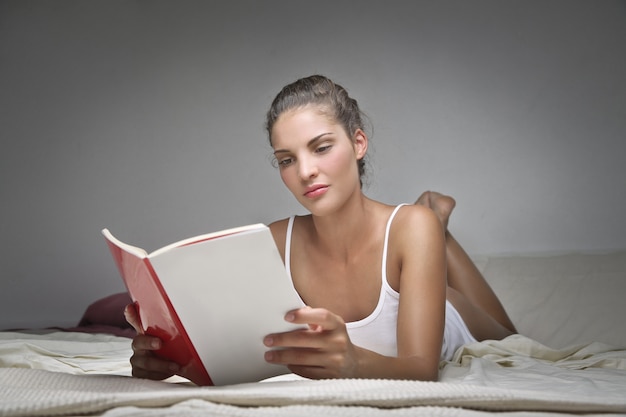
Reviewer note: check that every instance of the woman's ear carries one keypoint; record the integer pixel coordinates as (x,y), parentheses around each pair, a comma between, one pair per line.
(360,143)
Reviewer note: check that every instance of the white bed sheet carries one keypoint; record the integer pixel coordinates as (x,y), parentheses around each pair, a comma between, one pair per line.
(82,374)
(69,352)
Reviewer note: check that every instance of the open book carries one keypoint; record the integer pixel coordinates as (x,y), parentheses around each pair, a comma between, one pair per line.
(211,299)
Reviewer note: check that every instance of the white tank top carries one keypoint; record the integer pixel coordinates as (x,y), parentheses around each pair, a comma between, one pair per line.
(377,332)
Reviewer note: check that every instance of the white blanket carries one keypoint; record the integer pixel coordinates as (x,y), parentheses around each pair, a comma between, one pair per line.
(80,374)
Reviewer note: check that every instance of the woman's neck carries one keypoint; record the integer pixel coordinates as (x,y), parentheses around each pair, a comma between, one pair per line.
(341,233)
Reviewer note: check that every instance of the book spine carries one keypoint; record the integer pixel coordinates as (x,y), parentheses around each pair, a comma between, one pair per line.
(157,314)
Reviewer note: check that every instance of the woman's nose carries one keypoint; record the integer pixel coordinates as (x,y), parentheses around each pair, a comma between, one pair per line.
(307,168)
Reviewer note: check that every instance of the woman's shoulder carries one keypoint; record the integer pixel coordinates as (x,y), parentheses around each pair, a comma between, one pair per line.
(415,212)
(415,221)
(404,214)
(279,232)
(407,212)
(280,226)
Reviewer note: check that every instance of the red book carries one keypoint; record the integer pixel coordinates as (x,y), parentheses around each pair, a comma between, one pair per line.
(211,299)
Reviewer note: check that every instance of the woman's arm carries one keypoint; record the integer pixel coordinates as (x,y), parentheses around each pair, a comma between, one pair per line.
(324,349)
(422,287)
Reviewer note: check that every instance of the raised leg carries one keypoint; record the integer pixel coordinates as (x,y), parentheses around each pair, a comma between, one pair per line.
(470,293)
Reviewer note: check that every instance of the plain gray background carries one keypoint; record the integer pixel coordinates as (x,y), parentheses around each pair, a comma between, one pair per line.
(146,117)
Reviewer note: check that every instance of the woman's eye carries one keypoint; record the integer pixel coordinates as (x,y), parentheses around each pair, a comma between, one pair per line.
(285,162)
(323,148)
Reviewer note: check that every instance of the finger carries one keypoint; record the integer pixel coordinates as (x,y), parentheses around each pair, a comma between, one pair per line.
(295,338)
(146,343)
(155,376)
(313,372)
(131,316)
(146,365)
(316,318)
(310,361)
(312,339)
(294,357)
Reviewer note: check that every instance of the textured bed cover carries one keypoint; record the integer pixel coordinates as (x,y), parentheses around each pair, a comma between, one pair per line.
(83,374)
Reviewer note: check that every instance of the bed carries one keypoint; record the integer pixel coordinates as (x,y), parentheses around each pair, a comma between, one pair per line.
(569,359)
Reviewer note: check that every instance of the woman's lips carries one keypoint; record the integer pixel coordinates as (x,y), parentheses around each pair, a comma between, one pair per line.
(315,191)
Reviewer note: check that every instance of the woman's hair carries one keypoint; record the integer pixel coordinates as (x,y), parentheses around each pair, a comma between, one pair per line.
(331,99)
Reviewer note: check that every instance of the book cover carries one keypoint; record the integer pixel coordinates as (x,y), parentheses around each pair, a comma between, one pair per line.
(211,299)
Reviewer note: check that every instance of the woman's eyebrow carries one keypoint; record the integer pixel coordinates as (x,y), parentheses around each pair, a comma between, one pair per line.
(318,137)
(309,143)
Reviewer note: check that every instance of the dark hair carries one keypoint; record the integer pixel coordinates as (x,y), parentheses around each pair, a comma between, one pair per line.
(331,99)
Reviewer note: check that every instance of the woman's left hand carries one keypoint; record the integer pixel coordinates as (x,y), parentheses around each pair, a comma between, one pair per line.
(323,350)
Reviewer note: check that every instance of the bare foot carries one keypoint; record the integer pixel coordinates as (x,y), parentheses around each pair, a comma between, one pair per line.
(441,204)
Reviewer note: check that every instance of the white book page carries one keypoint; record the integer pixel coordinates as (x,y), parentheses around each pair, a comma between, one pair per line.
(229,293)
(139,252)
(208,236)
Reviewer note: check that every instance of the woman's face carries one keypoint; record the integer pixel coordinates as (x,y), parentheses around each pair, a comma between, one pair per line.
(317,159)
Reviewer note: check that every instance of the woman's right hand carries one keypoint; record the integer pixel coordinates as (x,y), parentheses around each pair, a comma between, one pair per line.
(144,362)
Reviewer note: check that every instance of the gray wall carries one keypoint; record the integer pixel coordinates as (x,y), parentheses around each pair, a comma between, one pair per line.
(146,117)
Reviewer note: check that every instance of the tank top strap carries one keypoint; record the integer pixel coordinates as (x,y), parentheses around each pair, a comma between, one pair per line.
(386,244)
(288,245)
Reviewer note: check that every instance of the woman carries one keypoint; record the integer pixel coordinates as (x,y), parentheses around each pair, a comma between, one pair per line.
(389,292)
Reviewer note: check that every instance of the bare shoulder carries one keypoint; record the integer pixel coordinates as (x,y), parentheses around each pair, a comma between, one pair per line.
(416,223)
(417,215)
(279,233)
(416,251)
(279,226)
